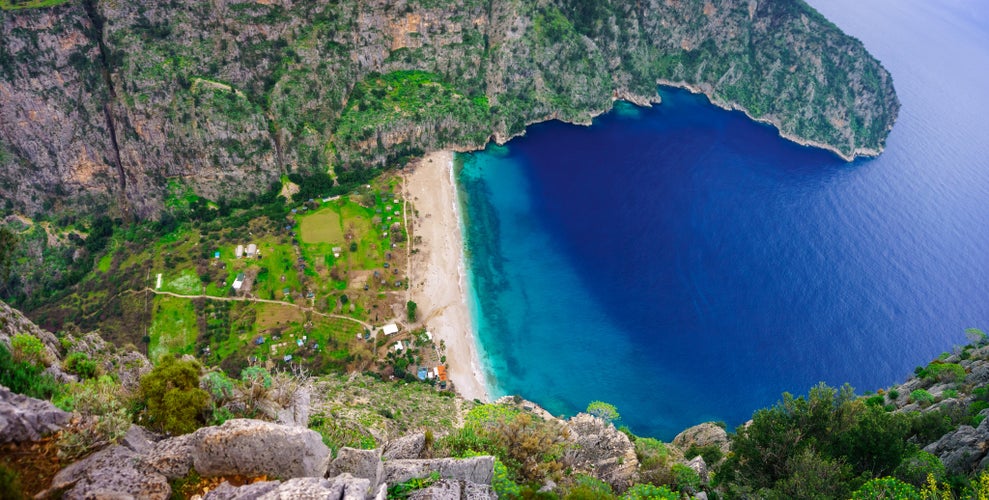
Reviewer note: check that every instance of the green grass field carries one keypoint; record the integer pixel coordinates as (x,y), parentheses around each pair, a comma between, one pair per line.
(184,282)
(173,327)
(322,226)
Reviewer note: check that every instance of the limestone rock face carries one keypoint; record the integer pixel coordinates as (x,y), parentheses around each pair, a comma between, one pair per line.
(13,322)
(253,447)
(603,450)
(343,487)
(28,419)
(446,489)
(364,464)
(964,450)
(700,467)
(405,447)
(114,472)
(476,469)
(705,434)
(172,457)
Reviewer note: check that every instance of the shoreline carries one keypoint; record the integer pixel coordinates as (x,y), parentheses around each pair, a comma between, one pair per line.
(442,302)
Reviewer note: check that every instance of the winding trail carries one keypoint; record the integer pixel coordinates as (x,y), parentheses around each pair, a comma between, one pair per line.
(255,299)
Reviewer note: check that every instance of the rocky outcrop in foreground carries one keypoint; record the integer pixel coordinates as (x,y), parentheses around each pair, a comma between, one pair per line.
(142,465)
(28,419)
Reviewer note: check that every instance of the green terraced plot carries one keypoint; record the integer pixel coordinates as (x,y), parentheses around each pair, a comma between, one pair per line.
(321,227)
(173,327)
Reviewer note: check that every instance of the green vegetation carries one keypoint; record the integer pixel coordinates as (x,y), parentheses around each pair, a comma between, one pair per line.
(604,411)
(27,348)
(174,402)
(29,4)
(26,378)
(10,484)
(323,226)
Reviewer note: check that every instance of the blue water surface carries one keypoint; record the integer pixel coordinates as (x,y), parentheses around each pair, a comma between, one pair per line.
(687,264)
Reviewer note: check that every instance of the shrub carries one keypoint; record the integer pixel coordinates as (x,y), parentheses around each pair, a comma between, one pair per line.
(26,378)
(917,467)
(411,310)
(685,479)
(921,397)
(654,458)
(894,394)
(590,488)
(175,403)
(886,488)
(107,418)
(710,453)
(80,364)
(219,386)
(28,349)
(649,492)
(604,411)
(943,372)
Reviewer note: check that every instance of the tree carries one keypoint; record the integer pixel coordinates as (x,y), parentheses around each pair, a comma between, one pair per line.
(604,411)
(175,403)
(411,308)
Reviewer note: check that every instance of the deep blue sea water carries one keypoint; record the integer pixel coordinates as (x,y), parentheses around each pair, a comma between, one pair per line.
(687,264)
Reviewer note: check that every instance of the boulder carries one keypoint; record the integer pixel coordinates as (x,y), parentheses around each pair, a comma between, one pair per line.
(446,489)
(114,472)
(171,457)
(406,447)
(603,451)
(24,418)
(343,487)
(364,464)
(705,434)
(700,467)
(476,469)
(252,448)
(297,410)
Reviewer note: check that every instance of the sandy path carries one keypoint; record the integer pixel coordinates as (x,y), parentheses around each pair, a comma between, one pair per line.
(437,271)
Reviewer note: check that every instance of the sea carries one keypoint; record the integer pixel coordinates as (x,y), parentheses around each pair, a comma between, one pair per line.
(687,264)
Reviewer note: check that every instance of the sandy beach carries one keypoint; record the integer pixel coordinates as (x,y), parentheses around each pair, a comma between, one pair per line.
(437,271)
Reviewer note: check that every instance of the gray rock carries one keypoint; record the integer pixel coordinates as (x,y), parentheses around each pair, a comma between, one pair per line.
(171,457)
(343,487)
(360,463)
(446,489)
(476,469)
(700,495)
(705,434)
(227,491)
(27,419)
(698,466)
(253,447)
(297,411)
(603,451)
(406,447)
(964,449)
(114,472)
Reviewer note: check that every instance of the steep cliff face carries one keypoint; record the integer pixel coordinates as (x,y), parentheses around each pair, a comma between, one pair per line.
(109,103)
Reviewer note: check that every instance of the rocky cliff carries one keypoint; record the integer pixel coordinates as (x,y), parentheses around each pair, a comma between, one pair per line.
(126,104)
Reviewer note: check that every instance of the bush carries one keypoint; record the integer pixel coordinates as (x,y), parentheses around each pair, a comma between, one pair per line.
(604,411)
(649,492)
(710,453)
(921,397)
(915,469)
(685,479)
(28,349)
(943,372)
(175,403)
(107,418)
(411,310)
(80,364)
(886,488)
(26,378)
(654,461)
(589,488)
(894,394)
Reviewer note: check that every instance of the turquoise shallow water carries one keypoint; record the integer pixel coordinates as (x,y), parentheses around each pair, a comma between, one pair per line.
(687,264)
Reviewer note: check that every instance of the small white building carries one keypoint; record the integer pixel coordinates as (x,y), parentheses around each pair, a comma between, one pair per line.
(239,281)
(252,250)
(239,252)
(429,336)
(390,329)
(399,346)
